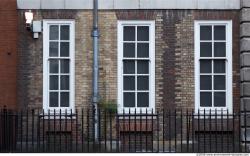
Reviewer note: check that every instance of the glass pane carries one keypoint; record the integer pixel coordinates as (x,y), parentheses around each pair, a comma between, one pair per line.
(142,67)
(129,50)
(65,32)
(64,99)
(129,33)
(64,66)
(128,67)
(219,33)
(142,33)
(129,83)
(142,100)
(219,99)
(53,99)
(64,82)
(206,49)
(205,66)
(53,32)
(205,82)
(219,66)
(142,83)
(53,68)
(129,99)
(205,99)
(206,33)
(219,49)
(64,49)
(53,49)
(53,82)
(143,50)
(219,82)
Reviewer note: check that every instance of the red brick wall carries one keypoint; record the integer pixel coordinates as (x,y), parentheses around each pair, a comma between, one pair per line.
(8,53)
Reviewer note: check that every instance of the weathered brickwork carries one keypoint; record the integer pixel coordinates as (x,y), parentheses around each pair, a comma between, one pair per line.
(174,55)
(108,55)
(8,53)
(184,56)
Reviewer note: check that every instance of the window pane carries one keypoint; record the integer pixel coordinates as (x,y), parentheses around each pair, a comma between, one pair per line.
(64,49)
(219,49)
(53,82)
(142,83)
(129,33)
(64,66)
(129,83)
(142,33)
(143,50)
(206,49)
(206,33)
(219,33)
(53,49)
(129,50)
(142,67)
(129,99)
(219,82)
(65,32)
(64,82)
(129,67)
(53,99)
(205,99)
(205,82)
(142,100)
(53,35)
(219,99)
(219,66)
(205,66)
(53,68)
(64,99)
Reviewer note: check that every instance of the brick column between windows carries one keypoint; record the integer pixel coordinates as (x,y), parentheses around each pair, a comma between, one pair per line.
(245,60)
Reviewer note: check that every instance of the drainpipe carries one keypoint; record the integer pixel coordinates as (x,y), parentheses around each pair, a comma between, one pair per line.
(95,35)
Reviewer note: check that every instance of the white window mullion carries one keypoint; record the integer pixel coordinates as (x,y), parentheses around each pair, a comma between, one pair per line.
(212,66)
(212,83)
(136,74)
(59,85)
(228,56)
(59,65)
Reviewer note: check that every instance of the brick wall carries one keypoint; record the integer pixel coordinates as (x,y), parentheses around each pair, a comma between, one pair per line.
(174,55)
(8,53)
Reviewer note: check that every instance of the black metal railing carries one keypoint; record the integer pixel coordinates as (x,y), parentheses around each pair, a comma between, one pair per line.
(169,131)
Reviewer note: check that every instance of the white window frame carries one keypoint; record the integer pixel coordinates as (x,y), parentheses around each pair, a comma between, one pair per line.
(46,107)
(151,108)
(229,95)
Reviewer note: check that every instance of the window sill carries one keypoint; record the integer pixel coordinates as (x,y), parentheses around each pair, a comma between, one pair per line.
(136,111)
(57,116)
(138,116)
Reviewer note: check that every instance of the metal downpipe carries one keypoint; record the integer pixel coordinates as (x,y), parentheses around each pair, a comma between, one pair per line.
(95,35)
